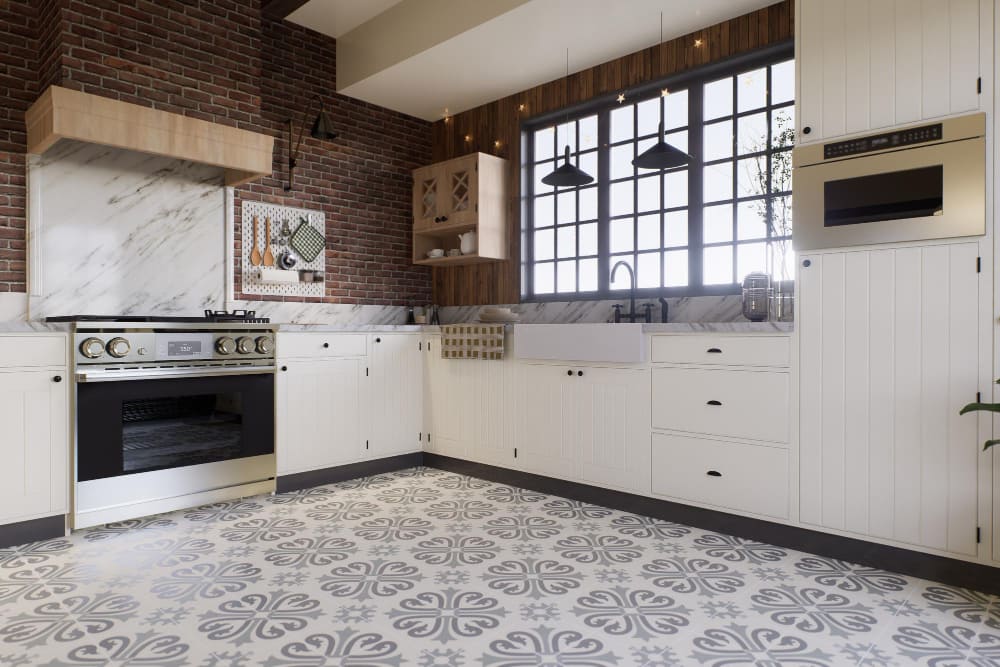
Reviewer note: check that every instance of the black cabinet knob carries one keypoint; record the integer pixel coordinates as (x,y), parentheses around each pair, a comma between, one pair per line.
(714,473)
(806,130)
(714,402)
(378,340)
(284,368)
(569,372)
(57,378)
(326,345)
(807,263)
(579,373)
(714,350)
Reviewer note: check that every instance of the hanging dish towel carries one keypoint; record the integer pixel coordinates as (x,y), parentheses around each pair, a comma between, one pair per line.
(472,341)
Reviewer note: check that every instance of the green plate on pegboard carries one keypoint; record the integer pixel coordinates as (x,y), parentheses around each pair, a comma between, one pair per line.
(307,241)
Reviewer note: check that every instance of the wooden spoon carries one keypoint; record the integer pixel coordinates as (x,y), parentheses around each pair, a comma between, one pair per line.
(268,255)
(255,252)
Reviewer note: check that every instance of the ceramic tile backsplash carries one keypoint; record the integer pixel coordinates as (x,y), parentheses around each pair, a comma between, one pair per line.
(682,309)
(124,232)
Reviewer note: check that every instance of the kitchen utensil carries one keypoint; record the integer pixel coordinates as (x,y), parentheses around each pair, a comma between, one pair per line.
(435,253)
(306,241)
(255,258)
(286,261)
(268,275)
(454,252)
(756,294)
(468,242)
(268,254)
(286,230)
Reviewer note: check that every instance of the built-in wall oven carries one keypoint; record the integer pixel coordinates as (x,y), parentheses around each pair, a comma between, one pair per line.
(170,414)
(909,184)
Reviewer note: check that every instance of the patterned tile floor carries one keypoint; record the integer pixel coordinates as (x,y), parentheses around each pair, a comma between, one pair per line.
(433,569)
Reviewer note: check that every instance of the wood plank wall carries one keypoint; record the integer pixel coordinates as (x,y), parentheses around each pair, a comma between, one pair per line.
(478,129)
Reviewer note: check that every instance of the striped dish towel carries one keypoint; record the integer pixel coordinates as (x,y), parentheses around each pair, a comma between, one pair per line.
(472,341)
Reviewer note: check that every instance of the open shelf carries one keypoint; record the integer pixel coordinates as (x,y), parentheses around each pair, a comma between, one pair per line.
(445,229)
(455,261)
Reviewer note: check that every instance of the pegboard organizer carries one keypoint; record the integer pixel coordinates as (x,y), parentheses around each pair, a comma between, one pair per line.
(279,214)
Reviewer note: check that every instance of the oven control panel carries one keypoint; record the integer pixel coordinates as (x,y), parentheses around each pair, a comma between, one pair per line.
(130,347)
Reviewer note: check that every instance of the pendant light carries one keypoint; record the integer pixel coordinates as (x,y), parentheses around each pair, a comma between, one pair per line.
(568,175)
(661,155)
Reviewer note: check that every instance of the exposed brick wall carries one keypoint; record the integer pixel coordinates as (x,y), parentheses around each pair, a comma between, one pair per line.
(18,46)
(219,60)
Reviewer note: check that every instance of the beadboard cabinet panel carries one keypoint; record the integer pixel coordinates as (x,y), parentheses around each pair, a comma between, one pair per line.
(869,64)
(889,355)
(394,391)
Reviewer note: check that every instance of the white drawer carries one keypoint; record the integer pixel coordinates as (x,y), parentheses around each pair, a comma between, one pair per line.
(316,345)
(32,350)
(739,404)
(748,478)
(722,349)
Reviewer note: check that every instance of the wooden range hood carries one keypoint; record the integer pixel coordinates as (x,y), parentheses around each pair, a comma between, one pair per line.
(62,113)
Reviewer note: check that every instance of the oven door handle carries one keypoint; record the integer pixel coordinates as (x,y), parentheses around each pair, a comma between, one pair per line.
(168,373)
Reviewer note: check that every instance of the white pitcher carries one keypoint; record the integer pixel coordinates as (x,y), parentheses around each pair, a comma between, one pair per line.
(468,242)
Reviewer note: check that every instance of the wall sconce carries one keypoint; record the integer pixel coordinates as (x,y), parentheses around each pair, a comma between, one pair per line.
(322,129)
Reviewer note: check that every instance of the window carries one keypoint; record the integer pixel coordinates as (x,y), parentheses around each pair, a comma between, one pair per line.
(693,230)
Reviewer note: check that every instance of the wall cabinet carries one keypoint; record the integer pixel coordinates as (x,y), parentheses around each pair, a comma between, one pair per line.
(394,395)
(584,422)
(34,412)
(889,345)
(868,64)
(466,194)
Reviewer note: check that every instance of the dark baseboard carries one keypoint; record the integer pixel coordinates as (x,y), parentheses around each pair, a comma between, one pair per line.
(305,480)
(913,563)
(35,530)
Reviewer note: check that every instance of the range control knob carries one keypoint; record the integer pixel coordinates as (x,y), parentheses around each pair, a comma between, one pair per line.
(265,345)
(225,345)
(244,345)
(118,347)
(92,348)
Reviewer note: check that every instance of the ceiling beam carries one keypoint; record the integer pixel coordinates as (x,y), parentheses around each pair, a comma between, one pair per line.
(279,9)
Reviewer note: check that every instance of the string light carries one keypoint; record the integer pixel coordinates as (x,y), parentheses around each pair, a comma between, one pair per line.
(521,107)
(665,92)
(621,97)
(496,144)
(468,138)
(698,43)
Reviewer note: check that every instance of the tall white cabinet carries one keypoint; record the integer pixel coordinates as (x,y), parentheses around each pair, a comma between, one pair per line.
(394,391)
(868,64)
(889,345)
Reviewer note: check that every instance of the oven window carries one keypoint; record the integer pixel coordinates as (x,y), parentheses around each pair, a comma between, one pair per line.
(896,195)
(173,431)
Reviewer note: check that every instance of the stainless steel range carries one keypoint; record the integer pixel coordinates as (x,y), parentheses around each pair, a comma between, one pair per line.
(170,413)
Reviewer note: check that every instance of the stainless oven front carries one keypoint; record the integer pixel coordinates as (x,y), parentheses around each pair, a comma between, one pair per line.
(908,184)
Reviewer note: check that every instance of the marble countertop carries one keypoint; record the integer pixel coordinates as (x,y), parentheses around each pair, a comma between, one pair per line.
(21,327)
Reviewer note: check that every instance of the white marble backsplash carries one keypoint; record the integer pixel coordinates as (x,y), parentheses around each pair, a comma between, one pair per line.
(121,232)
(288,312)
(682,309)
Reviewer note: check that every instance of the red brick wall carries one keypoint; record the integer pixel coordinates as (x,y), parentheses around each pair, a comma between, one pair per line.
(219,60)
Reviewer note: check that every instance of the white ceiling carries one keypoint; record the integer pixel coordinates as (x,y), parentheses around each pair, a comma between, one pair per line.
(516,50)
(338,17)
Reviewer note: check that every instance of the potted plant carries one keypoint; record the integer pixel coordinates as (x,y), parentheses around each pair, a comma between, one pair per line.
(987,407)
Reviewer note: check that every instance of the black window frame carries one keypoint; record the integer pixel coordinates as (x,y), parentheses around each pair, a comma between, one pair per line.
(603,106)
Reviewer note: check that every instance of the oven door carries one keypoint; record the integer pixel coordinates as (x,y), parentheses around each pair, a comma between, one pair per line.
(133,424)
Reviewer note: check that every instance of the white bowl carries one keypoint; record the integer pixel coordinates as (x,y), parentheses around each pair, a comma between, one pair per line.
(435,253)
(454,252)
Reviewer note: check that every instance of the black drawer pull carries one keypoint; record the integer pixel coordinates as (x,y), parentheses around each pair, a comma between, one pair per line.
(569,372)
(579,373)
(714,350)
(714,402)
(326,345)
(57,378)
(714,473)
(284,368)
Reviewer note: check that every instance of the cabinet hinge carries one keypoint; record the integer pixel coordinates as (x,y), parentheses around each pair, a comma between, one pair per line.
(979,397)
(979,264)
(366,372)
(979,85)
(428,438)
(515,452)
(979,534)
(477,208)
(420,436)
(420,346)
(366,444)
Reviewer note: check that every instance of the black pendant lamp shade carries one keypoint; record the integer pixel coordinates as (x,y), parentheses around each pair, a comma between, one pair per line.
(568,175)
(322,128)
(661,155)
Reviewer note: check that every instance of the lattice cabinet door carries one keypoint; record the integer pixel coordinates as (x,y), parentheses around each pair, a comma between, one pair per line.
(462,189)
(429,198)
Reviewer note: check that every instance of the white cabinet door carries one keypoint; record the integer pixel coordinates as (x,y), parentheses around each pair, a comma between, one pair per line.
(34,415)
(318,423)
(612,407)
(889,344)
(546,407)
(489,426)
(443,399)
(395,395)
(868,64)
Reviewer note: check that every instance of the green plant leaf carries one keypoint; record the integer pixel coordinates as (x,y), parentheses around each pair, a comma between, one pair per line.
(987,407)
(990,443)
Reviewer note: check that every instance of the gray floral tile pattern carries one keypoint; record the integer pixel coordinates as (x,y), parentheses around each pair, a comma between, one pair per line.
(427,568)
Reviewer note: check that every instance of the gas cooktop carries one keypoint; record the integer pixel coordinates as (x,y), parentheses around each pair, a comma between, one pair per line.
(245,316)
